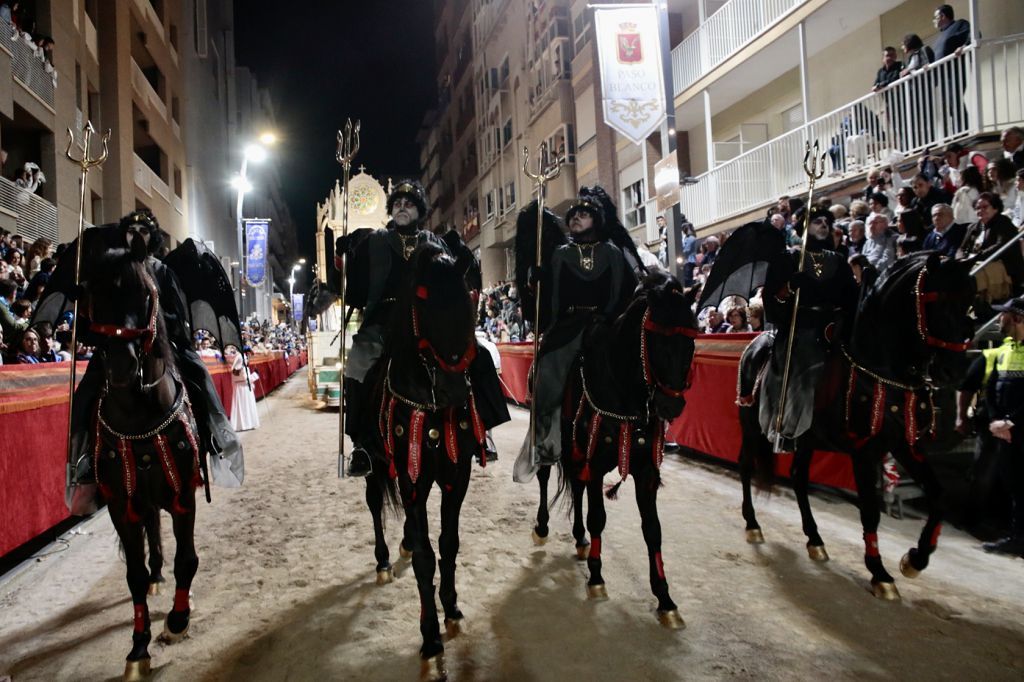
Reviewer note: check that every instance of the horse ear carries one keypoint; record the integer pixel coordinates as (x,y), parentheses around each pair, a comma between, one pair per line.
(933,262)
(138,248)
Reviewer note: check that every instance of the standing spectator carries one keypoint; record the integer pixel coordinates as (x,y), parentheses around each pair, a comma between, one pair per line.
(244,415)
(926,195)
(1004,397)
(689,254)
(946,235)
(954,35)
(10,324)
(1018,207)
(1012,140)
(889,72)
(778,221)
(880,247)
(970,188)
(992,230)
(922,127)
(662,240)
(485,343)
(857,265)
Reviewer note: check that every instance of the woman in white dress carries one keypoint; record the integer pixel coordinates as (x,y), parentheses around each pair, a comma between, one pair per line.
(243,404)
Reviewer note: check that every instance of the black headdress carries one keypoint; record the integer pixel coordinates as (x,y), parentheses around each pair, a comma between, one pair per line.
(412,190)
(608,225)
(144,220)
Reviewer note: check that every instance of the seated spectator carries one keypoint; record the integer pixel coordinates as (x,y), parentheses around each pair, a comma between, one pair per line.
(39,250)
(926,195)
(880,246)
(910,225)
(22,309)
(906,245)
(840,214)
(778,221)
(28,348)
(879,203)
(15,273)
(710,250)
(737,320)
(855,240)
(904,200)
(49,348)
(1002,177)
(755,317)
(716,323)
(991,231)
(859,210)
(946,235)
(857,265)
(1018,206)
(10,324)
(972,184)
(36,286)
(1012,140)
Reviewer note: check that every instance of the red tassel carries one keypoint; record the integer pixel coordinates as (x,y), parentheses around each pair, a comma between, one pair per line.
(585,472)
(625,447)
(479,432)
(449,436)
(170,473)
(595,428)
(415,443)
(186,423)
(128,468)
(658,448)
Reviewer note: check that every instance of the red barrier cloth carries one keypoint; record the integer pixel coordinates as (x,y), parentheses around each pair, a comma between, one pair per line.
(710,422)
(33,438)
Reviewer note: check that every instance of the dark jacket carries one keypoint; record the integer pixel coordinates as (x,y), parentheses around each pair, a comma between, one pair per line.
(951,38)
(999,231)
(886,77)
(946,242)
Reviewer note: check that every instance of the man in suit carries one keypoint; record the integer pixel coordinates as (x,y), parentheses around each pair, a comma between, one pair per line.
(945,236)
(1013,145)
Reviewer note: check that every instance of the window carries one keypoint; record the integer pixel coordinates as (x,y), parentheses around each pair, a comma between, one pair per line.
(634,207)
(489,205)
(510,196)
(178,184)
(581,30)
(504,70)
(506,132)
(561,145)
(793,118)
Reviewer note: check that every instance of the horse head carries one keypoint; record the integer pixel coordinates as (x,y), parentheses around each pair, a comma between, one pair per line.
(919,312)
(667,331)
(122,300)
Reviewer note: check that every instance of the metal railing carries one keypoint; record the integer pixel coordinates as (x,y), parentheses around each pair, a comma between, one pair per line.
(35,216)
(27,67)
(726,31)
(977,91)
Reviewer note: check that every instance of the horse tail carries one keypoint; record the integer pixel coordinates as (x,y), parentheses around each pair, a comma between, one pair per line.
(389,489)
(756,451)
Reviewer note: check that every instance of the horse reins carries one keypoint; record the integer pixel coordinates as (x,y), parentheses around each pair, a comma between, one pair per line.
(460,363)
(649,326)
(921,299)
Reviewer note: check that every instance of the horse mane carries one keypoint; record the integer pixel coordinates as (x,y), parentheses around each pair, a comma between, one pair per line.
(893,282)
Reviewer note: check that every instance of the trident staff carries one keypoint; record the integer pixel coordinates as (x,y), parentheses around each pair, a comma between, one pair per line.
(541,177)
(348,147)
(85,164)
(814,167)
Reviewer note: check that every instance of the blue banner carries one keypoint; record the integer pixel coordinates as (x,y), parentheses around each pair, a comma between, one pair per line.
(256,233)
(297,301)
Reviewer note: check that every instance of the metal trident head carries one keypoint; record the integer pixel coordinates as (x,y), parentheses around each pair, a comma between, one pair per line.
(544,173)
(85,162)
(814,165)
(348,143)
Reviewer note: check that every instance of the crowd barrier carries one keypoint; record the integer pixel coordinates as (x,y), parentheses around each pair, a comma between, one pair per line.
(33,437)
(710,423)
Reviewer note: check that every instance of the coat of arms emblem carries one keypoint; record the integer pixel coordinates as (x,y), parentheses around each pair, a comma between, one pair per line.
(628,41)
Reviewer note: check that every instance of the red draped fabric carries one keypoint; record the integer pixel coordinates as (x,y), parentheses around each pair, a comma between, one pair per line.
(33,438)
(710,422)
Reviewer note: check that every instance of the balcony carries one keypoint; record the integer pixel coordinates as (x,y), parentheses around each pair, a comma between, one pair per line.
(726,31)
(35,217)
(148,181)
(916,113)
(29,68)
(144,89)
(145,8)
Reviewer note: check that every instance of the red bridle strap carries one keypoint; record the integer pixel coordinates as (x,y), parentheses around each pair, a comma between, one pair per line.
(922,299)
(645,358)
(653,327)
(461,364)
(147,333)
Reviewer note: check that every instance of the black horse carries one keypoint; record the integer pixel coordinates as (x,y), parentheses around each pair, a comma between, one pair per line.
(628,383)
(145,449)
(428,433)
(875,397)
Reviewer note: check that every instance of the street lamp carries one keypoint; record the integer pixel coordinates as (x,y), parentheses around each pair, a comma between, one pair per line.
(291,289)
(256,153)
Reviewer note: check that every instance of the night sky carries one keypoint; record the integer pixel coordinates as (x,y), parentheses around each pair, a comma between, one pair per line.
(325,61)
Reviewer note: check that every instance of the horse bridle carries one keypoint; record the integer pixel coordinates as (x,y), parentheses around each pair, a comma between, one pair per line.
(921,299)
(649,326)
(459,364)
(146,334)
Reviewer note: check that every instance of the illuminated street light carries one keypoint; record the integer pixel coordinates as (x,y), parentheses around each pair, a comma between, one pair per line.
(268,139)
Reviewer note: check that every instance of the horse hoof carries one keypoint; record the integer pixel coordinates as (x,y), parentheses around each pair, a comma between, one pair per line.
(432,669)
(671,619)
(582,551)
(597,592)
(453,627)
(136,671)
(817,553)
(907,569)
(755,536)
(167,637)
(403,552)
(538,539)
(885,591)
(154,589)
(385,576)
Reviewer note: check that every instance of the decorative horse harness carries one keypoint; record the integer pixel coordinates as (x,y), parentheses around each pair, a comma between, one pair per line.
(390,399)
(160,436)
(587,408)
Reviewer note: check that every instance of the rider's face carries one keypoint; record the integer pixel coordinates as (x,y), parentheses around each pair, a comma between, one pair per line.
(404,212)
(580,222)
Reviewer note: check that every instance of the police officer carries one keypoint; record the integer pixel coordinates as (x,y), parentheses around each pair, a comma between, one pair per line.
(1005,399)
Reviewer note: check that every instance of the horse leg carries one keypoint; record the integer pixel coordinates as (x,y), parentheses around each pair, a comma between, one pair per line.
(916,560)
(448,545)
(646,484)
(156,551)
(424,564)
(865,474)
(186,563)
(800,473)
(375,501)
(579,530)
(596,519)
(752,439)
(540,531)
(132,534)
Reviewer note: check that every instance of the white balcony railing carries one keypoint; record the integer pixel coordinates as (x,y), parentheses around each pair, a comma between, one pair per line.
(727,30)
(144,89)
(27,65)
(35,216)
(959,96)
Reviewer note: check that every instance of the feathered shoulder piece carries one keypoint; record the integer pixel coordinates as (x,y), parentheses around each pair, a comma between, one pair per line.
(552,236)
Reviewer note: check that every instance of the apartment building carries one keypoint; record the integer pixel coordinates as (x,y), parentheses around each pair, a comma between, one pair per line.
(752,80)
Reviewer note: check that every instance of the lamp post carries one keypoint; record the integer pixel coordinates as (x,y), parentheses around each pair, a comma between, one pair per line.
(291,290)
(256,153)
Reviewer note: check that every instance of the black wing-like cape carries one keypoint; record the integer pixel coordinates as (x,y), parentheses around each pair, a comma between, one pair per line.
(552,237)
(742,263)
(617,232)
(208,292)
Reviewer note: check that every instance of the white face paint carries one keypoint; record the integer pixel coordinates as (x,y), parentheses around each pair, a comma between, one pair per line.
(819,229)
(580,222)
(404,212)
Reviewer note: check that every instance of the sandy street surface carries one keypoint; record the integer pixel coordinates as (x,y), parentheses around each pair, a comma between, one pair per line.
(285,589)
